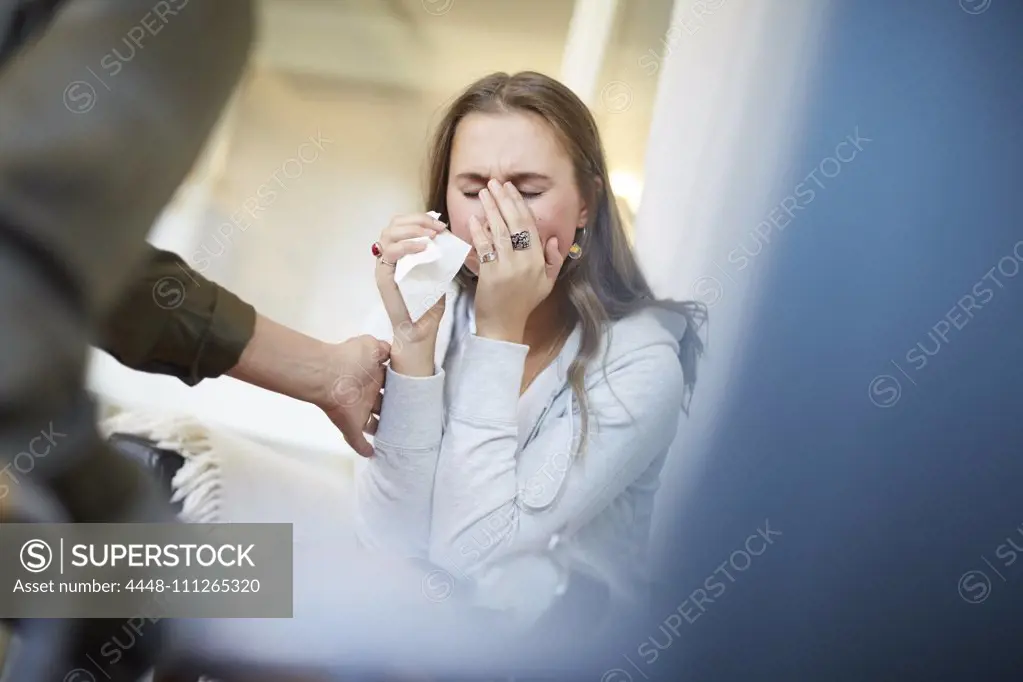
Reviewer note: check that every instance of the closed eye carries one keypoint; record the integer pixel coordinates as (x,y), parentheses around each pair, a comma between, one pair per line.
(474,194)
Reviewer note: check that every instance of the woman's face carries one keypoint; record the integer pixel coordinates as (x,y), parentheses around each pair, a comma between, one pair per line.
(520,148)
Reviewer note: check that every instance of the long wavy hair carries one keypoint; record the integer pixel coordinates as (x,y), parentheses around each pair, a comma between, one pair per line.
(606,283)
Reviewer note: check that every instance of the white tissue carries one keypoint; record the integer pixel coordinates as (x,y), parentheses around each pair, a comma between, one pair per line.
(424,277)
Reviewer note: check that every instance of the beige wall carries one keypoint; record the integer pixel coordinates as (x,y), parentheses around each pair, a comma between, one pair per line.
(313,172)
(325,169)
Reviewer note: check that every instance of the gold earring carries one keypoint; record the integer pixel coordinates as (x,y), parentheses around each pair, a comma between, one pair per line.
(575,251)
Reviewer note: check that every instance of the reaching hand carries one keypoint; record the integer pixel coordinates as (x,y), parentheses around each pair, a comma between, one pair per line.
(353,394)
(342,379)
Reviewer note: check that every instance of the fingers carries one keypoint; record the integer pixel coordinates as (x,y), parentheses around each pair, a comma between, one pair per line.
(553,260)
(410,226)
(480,238)
(390,294)
(518,204)
(395,250)
(498,227)
(404,228)
(415,228)
(420,219)
(356,396)
(372,425)
(515,213)
(518,217)
(355,438)
(406,234)
(527,221)
(397,233)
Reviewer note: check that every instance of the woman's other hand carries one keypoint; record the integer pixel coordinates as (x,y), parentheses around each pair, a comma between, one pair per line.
(413,346)
(512,286)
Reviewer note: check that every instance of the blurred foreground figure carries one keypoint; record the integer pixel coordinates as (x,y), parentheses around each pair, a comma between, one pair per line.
(859,514)
(87,163)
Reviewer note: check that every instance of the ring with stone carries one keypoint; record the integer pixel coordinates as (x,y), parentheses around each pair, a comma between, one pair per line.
(520,240)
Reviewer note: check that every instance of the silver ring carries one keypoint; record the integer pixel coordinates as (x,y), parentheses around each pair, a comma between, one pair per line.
(488,257)
(520,240)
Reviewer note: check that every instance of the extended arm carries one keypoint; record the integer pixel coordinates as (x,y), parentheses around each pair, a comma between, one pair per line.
(174,321)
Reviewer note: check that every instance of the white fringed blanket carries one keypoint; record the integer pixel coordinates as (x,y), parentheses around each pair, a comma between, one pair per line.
(227,478)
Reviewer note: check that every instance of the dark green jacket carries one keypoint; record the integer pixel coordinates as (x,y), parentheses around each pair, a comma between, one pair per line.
(174,321)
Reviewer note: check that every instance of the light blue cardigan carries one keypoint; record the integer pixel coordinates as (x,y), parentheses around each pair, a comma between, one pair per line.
(465,470)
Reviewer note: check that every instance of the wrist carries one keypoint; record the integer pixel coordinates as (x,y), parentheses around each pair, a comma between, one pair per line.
(414,359)
(284,361)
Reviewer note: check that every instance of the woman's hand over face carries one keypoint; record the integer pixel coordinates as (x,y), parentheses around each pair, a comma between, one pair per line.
(413,345)
(512,286)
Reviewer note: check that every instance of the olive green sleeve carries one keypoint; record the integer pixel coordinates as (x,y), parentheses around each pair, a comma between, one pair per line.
(174,321)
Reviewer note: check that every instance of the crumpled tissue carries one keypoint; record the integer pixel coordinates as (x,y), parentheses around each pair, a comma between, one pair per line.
(423,277)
